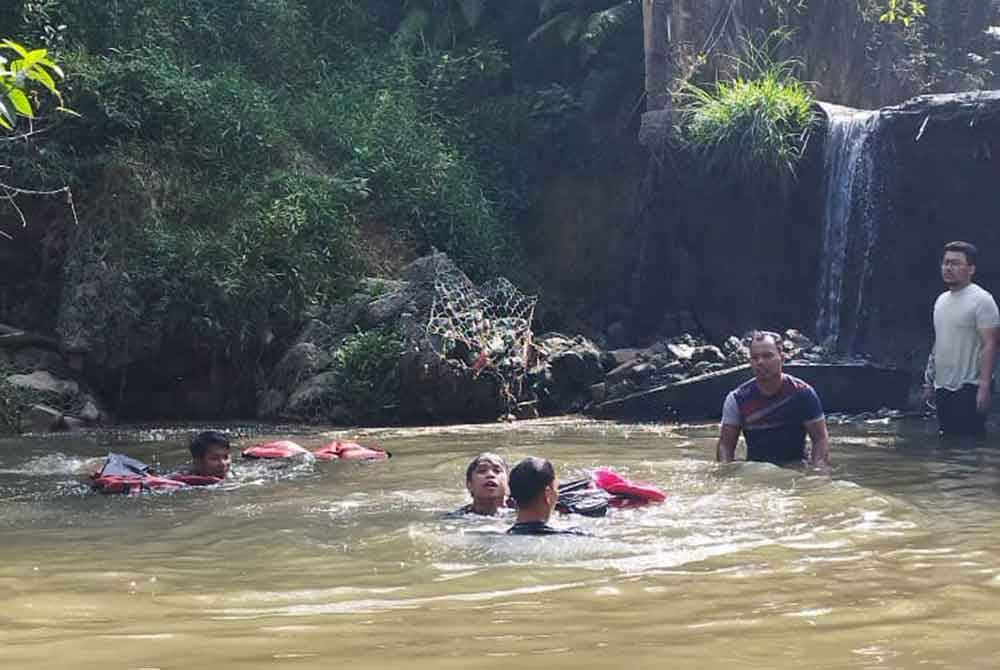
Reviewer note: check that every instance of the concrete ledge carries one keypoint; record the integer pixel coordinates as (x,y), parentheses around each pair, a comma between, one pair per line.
(841,388)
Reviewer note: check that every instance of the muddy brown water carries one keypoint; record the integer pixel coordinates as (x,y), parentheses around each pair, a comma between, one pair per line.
(893,561)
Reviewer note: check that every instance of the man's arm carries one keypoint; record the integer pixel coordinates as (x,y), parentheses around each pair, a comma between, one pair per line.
(929,374)
(729,433)
(725,451)
(820,455)
(986,363)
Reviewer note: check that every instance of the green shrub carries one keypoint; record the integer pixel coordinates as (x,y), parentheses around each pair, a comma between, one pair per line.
(367,364)
(752,127)
(14,402)
(422,184)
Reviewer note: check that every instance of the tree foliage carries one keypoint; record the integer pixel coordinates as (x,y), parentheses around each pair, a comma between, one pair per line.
(903,11)
(22,74)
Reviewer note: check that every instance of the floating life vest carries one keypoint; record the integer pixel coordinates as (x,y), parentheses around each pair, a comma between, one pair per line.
(350,451)
(592,496)
(617,485)
(279,449)
(122,474)
(336,450)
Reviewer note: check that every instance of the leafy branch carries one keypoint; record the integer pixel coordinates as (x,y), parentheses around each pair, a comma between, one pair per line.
(903,11)
(26,75)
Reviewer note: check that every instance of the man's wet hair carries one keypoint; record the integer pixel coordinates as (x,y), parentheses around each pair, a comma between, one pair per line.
(485,456)
(201,442)
(967,248)
(529,478)
(759,335)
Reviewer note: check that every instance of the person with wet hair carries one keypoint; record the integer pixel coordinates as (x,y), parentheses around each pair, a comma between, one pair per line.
(535,490)
(210,456)
(774,411)
(486,481)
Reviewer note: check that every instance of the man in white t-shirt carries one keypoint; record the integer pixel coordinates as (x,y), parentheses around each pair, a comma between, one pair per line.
(960,367)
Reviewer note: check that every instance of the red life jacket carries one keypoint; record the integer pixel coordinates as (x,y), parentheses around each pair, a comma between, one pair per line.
(350,451)
(336,450)
(279,449)
(617,485)
(121,474)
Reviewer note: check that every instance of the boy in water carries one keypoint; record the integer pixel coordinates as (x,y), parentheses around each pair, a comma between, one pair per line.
(210,455)
(486,481)
(534,487)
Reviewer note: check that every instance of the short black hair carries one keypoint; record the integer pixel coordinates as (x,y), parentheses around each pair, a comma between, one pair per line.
(966,248)
(485,456)
(529,478)
(209,438)
(758,335)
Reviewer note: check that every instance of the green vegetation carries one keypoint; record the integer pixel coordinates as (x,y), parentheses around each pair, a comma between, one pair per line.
(367,366)
(903,11)
(753,127)
(22,72)
(236,162)
(239,164)
(14,402)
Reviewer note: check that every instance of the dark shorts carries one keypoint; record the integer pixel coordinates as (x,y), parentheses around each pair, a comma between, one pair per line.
(957,413)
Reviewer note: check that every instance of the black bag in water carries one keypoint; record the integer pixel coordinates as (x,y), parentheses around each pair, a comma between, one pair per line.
(582,497)
(123,466)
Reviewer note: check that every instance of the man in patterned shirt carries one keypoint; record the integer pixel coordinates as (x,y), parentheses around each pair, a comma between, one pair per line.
(774,411)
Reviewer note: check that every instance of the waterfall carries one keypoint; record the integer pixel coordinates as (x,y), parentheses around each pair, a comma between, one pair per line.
(850,226)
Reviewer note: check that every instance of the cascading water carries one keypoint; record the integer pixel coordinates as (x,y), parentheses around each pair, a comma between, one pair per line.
(848,164)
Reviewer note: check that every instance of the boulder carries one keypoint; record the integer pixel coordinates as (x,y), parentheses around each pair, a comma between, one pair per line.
(34,358)
(40,419)
(736,352)
(599,392)
(621,356)
(680,350)
(434,390)
(270,402)
(577,366)
(316,332)
(386,308)
(301,361)
(708,354)
(312,398)
(570,367)
(46,382)
(798,339)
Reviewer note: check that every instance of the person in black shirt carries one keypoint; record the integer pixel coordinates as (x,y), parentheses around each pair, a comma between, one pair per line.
(534,488)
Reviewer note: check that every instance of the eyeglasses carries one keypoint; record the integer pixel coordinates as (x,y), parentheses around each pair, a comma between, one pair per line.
(953,264)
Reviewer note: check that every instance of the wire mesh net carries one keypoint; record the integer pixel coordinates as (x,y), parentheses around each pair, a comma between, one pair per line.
(487,325)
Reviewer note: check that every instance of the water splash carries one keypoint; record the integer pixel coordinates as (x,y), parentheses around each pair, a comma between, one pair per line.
(848,165)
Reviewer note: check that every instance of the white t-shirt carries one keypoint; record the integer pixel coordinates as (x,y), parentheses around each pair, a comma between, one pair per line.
(958,318)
